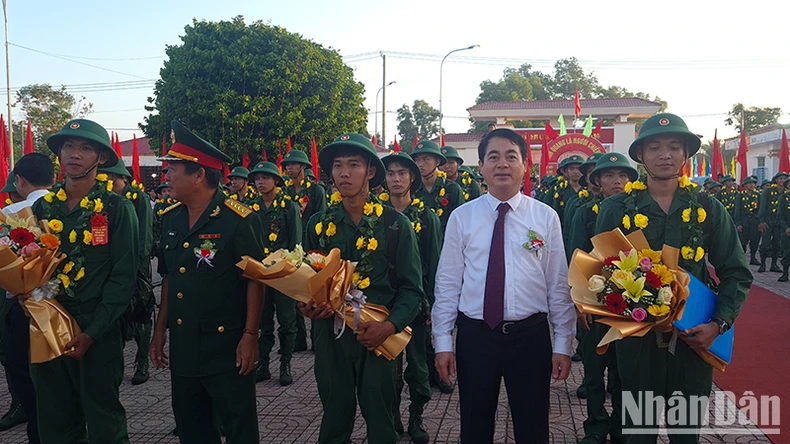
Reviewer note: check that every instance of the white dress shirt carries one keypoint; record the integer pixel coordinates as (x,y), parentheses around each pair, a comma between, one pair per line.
(28,202)
(533,284)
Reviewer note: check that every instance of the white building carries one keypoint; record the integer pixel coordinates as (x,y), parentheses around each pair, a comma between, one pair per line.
(763,154)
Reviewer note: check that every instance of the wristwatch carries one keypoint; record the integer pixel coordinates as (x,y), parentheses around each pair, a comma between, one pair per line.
(723,325)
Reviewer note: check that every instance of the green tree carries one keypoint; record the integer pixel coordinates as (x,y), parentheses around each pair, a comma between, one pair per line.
(753,117)
(242,87)
(516,84)
(48,109)
(421,119)
(569,76)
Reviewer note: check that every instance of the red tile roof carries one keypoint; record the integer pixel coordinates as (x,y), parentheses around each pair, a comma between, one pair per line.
(553,104)
(460,137)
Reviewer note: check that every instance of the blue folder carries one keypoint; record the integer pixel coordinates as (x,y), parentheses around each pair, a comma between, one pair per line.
(699,309)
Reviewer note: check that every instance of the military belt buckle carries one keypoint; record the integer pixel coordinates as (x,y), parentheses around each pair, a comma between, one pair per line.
(505,325)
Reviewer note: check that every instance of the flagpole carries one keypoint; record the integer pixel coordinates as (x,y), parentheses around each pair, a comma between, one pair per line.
(8,86)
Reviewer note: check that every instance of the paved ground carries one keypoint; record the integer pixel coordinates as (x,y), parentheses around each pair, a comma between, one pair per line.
(293,414)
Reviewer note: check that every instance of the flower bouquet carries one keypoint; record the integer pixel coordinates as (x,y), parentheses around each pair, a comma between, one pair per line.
(29,256)
(323,278)
(634,288)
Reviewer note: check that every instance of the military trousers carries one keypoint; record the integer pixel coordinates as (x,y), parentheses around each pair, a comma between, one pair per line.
(230,396)
(599,422)
(648,369)
(416,374)
(785,249)
(749,235)
(284,307)
(345,372)
(77,400)
(770,241)
(300,339)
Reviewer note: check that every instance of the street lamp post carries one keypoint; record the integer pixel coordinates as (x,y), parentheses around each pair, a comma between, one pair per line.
(8,86)
(441,68)
(383,114)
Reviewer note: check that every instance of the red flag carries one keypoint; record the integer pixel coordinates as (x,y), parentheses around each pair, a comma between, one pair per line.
(4,151)
(136,161)
(441,136)
(245,160)
(164,164)
(396,147)
(700,171)
(280,155)
(288,150)
(28,139)
(742,159)
(527,184)
(544,151)
(225,172)
(596,133)
(314,160)
(577,104)
(264,156)
(784,154)
(118,145)
(549,132)
(373,140)
(416,141)
(717,162)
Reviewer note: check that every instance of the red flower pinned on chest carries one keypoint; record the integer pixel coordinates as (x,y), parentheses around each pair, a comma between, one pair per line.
(444,202)
(205,253)
(98,220)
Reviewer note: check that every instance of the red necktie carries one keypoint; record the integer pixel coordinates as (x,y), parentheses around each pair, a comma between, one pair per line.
(494,305)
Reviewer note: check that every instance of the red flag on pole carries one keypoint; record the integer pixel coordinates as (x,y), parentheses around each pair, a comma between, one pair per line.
(549,132)
(577,104)
(544,151)
(264,156)
(784,154)
(717,162)
(416,141)
(279,156)
(118,145)
(245,160)
(164,164)
(743,148)
(596,132)
(396,147)
(527,184)
(4,151)
(288,150)
(136,161)
(442,139)
(373,140)
(28,140)
(314,160)
(700,170)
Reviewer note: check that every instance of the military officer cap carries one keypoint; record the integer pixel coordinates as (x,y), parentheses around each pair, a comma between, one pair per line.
(85,129)
(270,169)
(727,178)
(428,147)
(449,152)
(355,142)
(406,160)
(750,179)
(241,172)
(613,160)
(664,123)
(188,147)
(10,186)
(296,156)
(585,167)
(118,169)
(779,174)
(161,187)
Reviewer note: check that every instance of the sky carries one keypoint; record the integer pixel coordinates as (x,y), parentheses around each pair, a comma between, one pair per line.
(701,57)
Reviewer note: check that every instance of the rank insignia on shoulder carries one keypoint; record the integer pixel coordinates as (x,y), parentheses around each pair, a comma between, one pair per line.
(238,208)
(171,207)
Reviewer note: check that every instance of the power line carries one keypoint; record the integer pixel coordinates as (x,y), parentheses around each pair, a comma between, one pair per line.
(76,61)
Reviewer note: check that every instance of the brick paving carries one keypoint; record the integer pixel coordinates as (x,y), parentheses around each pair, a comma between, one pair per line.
(293,414)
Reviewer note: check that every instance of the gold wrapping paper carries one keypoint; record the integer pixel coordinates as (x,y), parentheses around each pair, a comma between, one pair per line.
(327,285)
(584,265)
(51,328)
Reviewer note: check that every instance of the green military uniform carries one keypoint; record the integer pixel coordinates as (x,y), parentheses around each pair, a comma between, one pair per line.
(768,213)
(420,353)
(582,197)
(746,219)
(469,186)
(345,370)
(645,363)
(563,191)
(72,394)
(446,195)
(547,184)
(249,193)
(728,196)
(159,208)
(281,227)
(784,225)
(206,302)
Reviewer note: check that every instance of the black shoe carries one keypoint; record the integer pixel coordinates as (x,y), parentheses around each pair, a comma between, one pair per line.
(14,417)
(785,275)
(398,425)
(141,374)
(576,357)
(417,432)
(175,431)
(263,373)
(581,393)
(775,268)
(762,267)
(285,374)
(444,387)
(754,261)
(592,439)
(300,347)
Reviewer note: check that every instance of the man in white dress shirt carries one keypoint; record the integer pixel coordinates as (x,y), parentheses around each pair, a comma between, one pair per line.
(508,282)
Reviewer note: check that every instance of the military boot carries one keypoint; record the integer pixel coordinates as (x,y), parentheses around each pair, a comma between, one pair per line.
(762,265)
(263,373)
(14,417)
(141,374)
(754,260)
(285,374)
(775,268)
(784,277)
(398,422)
(416,430)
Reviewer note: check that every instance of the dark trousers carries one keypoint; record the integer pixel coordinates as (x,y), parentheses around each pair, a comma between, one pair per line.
(749,235)
(599,422)
(521,353)
(16,343)
(770,241)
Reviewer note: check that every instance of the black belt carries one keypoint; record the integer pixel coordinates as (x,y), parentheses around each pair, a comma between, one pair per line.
(508,327)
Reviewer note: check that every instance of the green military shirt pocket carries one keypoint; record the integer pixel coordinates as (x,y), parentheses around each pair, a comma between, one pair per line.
(219,337)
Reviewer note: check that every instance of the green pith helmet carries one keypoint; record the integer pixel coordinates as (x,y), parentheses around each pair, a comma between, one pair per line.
(118,169)
(707,182)
(267,168)
(664,123)
(10,186)
(356,142)
(571,160)
(613,160)
(466,169)
(777,175)
(587,166)
(765,182)
(240,172)
(449,152)
(409,162)
(189,147)
(552,180)
(309,173)
(161,187)
(727,178)
(428,147)
(750,179)
(296,156)
(86,129)
(715,184)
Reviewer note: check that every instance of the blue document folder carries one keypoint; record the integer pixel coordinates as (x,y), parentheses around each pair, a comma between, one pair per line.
(699,309)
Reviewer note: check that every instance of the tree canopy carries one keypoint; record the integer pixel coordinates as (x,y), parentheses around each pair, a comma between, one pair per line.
(421,119)
(753,117)
(242,87)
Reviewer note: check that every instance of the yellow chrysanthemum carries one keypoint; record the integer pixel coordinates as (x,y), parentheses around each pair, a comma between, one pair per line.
(134,196)
(686,215)
(80,274)
(61,195)
(556,195)
(442,192)
(282,204)
(595,208)
(640,220)
(256,207)
(626,222)
(701,215)
(85,203)
(73,236)
(466,196)
(336,198)
(584,194)
(55,225)
(319,227)
(687,253)
(360,243)
(658,311)
(628,187)
(49,196)
(373,244)
(654,256)
(331,230)
(87,237)
(439,212)
(266,250)
(664,273)
(129,195)
(378,209)
(415,201)
(103,177)
(65,280)
(364,283)
(368,208)
(417,226)
(68,267)
(109,185)
(684,181)
(441,174)
(272,237)
(699,254)
(98,206)
(384,197)
(638,185)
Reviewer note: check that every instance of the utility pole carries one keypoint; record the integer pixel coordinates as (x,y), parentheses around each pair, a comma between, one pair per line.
(384,100)
(8,86)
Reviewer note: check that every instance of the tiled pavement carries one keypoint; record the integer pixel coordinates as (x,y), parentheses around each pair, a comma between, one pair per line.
(292,414)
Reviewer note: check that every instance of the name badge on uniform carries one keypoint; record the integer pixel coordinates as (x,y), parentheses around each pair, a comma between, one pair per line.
(100,230)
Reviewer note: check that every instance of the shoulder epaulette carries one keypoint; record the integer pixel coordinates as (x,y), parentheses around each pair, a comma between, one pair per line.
(238,207)
(171,207)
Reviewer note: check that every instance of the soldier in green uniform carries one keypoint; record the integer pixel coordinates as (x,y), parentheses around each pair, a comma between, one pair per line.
(389,273)
(455,172)
(746,219)
(666,203)
(213,312)
(715,188)
(765,185)
(587,193)
(239,186)
(281,228)
(403,178)
(439,194)
(784,229)
(568,185)
(728,195)
(163,201)
(768,215)
(310,196)
(10,188)
(137,321)
(98,232)
(547,184)
(610,176)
